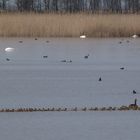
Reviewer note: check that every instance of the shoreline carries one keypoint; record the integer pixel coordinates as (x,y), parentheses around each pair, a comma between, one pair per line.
(75,109)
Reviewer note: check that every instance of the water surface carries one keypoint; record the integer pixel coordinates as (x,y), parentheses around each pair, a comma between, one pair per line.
(36,74)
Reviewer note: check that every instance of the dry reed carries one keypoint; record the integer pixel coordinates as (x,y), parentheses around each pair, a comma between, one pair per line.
(68,25)
(122,108)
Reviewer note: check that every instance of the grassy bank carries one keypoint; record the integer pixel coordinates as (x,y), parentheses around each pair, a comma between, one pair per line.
(66,25)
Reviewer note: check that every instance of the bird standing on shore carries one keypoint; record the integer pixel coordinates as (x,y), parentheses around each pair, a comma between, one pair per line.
(134,106)
(134,36)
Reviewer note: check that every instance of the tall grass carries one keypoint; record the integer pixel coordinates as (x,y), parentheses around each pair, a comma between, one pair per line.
(68,25)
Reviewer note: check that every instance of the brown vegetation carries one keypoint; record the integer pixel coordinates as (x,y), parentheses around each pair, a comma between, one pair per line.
(121,108)
(68,25)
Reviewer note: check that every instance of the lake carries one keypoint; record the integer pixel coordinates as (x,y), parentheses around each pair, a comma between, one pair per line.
(65,72)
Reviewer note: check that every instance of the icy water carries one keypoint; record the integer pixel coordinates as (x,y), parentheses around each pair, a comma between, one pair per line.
(65,72)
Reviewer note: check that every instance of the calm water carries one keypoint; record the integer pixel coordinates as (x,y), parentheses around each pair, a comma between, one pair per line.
(70,125)
(36,73)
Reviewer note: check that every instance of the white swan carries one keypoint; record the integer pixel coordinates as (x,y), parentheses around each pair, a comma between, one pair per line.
(135,36)
(82,36)
(9,49)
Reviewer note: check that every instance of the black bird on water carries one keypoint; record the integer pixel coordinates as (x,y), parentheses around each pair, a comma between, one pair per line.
(86,56)
(45,56)
(122,68)
(7,59)
(100,79)
(134,92)
(20,41)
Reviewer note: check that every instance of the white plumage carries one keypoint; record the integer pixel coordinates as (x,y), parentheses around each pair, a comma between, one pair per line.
(82,36)
(134,36)
(9,49)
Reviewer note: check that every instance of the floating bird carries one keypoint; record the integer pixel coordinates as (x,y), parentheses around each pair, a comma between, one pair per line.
(63,61)
(35,38)
(20,41)
(134,36)
(134,92)
(122,68)
(9,49)
(68,61)
(86,56)
(47,41)
(7,59)
(120,42)
(82,36)
(100,79)
(45,56)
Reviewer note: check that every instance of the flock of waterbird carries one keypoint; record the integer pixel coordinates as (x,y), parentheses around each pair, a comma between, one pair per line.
(9,49)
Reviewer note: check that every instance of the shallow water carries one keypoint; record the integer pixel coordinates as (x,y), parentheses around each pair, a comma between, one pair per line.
(36,75)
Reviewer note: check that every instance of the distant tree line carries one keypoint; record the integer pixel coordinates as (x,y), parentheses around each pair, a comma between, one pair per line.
(71,6)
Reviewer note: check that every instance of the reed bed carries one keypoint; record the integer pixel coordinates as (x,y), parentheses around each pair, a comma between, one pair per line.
(68,25)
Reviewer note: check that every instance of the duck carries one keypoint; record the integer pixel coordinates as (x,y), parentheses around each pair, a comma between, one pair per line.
(45,56)
(122,68)
(134,92)
(7,59)
(100,79)
(20,41)
(63,61)
(86,56)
